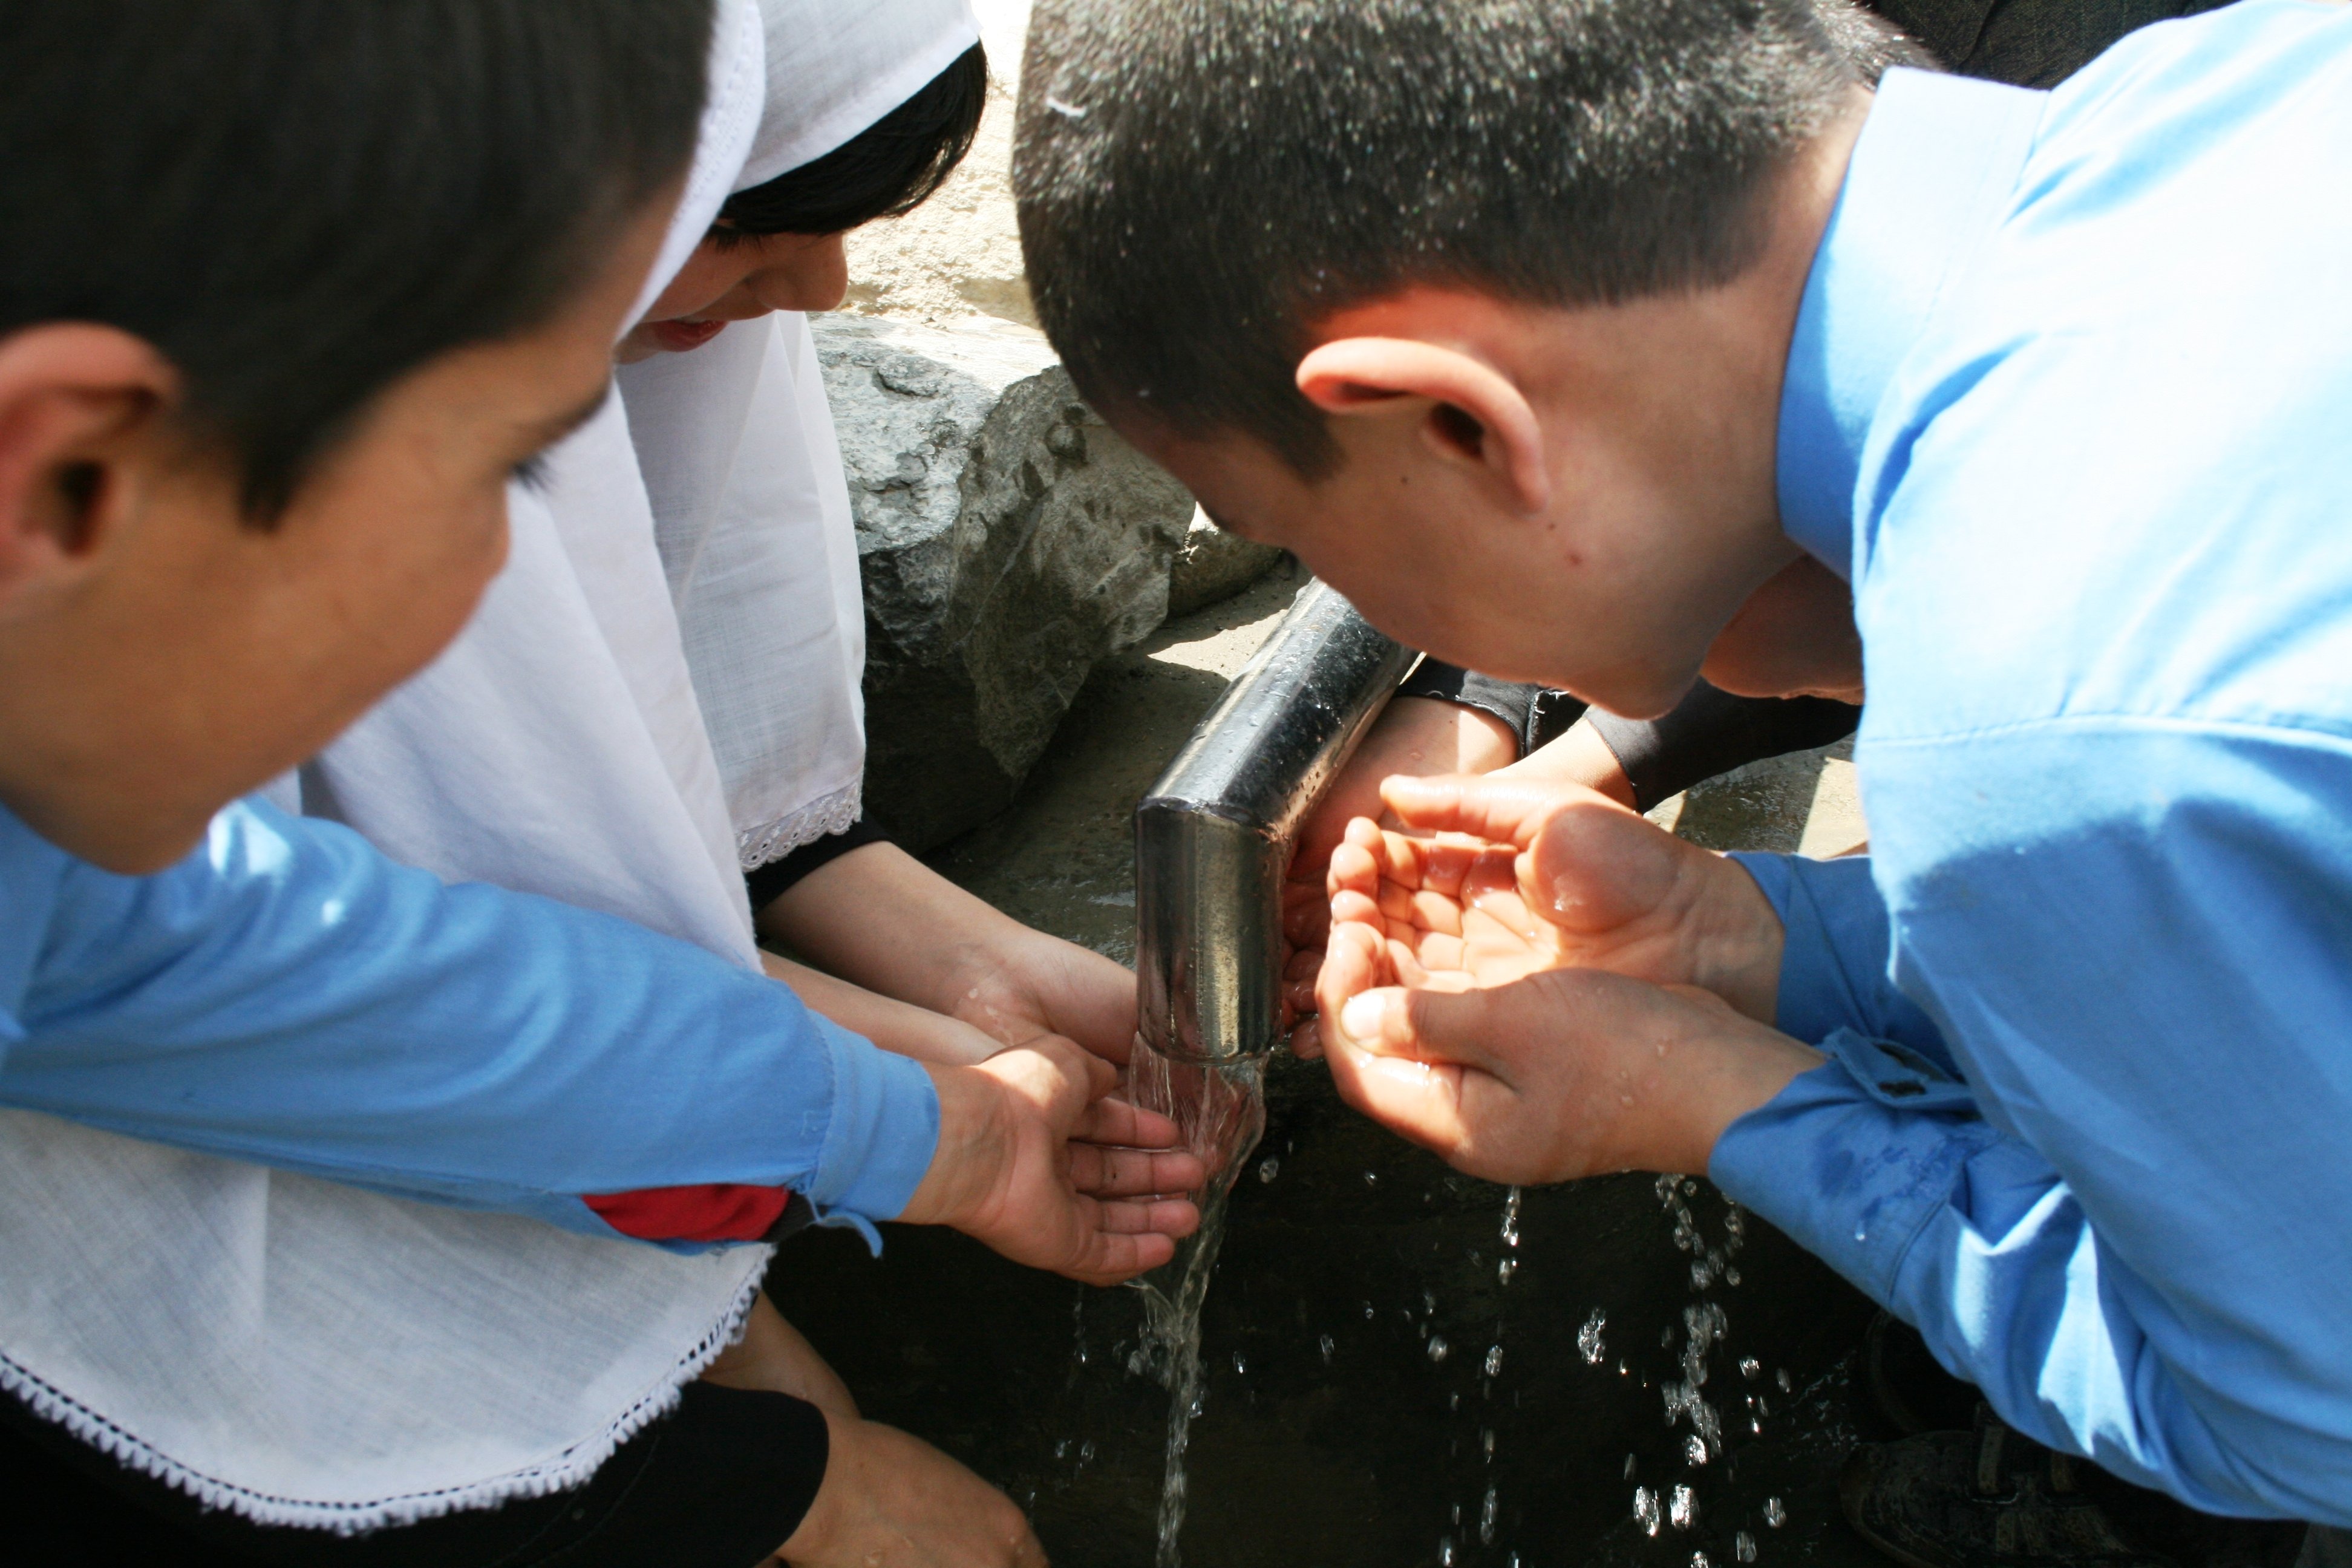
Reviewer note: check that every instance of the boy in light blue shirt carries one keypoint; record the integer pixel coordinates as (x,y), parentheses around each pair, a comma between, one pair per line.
(1551,382)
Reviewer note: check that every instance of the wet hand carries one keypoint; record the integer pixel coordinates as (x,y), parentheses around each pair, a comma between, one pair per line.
(1036,1159)
(1414,736)
(1038,985)
(1563,1074)
(1510,876)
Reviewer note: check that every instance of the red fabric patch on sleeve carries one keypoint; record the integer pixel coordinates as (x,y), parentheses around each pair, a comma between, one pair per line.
(717,1210)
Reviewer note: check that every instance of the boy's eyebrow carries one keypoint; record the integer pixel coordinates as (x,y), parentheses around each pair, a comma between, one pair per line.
(558,426)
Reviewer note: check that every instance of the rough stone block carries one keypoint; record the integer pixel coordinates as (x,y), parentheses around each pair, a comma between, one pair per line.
(1007,540)
(1214,566)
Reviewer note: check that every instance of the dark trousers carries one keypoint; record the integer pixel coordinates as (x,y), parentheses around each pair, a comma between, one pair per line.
(721,1482)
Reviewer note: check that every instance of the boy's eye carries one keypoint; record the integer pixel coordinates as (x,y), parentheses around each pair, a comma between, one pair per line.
(530,473)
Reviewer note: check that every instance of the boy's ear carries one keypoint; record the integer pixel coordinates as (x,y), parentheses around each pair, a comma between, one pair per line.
(1467,410)
(73,397)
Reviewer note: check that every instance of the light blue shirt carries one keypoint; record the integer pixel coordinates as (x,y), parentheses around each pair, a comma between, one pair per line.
(2070,401)
(287,996)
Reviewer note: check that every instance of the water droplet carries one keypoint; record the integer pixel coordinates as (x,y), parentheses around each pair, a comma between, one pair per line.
(1511,1218)
(1731,1276)
(1086,1453)
(1628,1467)
(1750,1368)
(1324,1344)
(1743,1546)
(1454,1402)
(1504,1269)
(1690,1188)
(1487,1511)
(1437,1347)
(1368,1311)
(1698,1559)
(1774,1514)
(1268,1168)
(1445,1551)
(1371,1178)
(1860,1234)
(1494,1360)
(1240,1367)
(1429,1301)
(1062,1449)
(1781,1378)
(1587,1339)
(1682,1509)
(1645,1509)
(1694,1451)
(1486,1441)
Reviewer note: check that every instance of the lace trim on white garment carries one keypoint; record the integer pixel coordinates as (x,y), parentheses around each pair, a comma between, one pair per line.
(563,1473)
(820,819)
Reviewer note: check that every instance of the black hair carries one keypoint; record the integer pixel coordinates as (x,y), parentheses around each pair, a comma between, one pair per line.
(1872,43)
(298,203)
(887,170)
(1199,180)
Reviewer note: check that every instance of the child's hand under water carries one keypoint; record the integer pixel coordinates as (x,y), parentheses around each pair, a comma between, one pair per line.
(1037,1160)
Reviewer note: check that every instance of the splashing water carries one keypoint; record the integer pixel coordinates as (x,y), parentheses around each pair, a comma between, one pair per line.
(1221,1111)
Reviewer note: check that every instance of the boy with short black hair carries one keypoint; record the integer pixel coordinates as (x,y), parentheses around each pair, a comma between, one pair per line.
(1550,332)
(287,294)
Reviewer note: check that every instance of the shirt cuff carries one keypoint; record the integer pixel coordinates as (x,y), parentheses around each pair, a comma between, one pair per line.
(884,1129)
(1836,953)
(1853,1159)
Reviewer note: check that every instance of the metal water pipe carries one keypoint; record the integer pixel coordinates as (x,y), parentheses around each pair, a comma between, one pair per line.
(1213,837)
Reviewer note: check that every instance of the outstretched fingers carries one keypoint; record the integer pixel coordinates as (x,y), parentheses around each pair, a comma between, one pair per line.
(1120,1240)
(1129,1172)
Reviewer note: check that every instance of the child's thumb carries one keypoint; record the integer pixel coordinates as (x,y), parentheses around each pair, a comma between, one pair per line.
(1423,1025)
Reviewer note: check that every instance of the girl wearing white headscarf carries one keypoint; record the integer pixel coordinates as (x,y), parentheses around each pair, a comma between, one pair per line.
(702,717)
(870,108)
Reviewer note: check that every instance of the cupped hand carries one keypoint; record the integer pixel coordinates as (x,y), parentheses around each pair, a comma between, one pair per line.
(1037,1161)
(1509,876)
(1561,1074)
(1414,736)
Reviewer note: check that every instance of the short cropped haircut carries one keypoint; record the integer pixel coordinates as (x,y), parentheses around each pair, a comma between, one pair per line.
(887,170)
(296,202)
(1201,181)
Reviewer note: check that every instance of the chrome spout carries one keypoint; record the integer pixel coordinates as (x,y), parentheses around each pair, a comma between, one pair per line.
(1214,836)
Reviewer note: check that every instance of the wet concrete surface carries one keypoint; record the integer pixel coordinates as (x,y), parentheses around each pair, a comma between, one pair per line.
(1335,1432)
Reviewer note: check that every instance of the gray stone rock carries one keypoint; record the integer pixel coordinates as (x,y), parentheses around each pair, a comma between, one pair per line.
(1007,540)
(1214,566)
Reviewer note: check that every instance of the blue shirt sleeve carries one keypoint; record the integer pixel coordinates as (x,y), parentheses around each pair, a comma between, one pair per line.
(288,996)
(2126,1230)
(1836,952)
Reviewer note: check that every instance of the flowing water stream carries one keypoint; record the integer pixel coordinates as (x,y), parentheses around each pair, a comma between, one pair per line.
(1222,1111)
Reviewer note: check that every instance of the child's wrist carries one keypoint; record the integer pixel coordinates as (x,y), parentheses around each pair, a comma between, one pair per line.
(970,1144)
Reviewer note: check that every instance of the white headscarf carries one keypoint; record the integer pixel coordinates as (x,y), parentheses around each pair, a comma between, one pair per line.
(738,450)
(835,69)
(308,1353)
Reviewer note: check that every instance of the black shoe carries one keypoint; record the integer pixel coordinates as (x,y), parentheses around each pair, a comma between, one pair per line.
(1911,1392)
(1989,1497)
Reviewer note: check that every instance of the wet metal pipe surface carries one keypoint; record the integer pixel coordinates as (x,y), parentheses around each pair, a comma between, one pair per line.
(1213,837)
